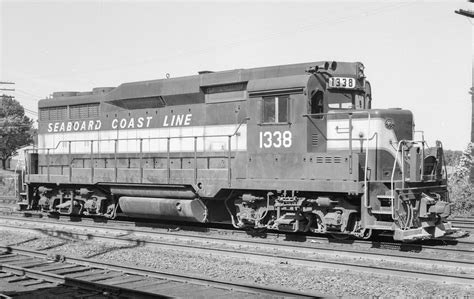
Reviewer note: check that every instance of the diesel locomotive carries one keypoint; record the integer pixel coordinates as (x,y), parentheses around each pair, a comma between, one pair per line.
(293,148)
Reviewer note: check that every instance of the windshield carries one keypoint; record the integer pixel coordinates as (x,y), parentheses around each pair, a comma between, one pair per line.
(346,100)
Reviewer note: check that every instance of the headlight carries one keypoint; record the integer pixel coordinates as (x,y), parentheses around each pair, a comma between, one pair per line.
(389,123)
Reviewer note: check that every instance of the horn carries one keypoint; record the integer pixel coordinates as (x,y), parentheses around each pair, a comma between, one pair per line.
(322,67)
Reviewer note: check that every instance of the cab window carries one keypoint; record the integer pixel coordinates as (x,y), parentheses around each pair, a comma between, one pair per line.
(275,109)
(317,104)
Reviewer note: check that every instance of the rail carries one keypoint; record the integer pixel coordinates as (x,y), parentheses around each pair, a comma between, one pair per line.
(115,153)
(350,139)
(119,280)
(230,244)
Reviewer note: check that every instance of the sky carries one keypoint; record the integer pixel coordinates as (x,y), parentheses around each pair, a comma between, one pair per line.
(418,54)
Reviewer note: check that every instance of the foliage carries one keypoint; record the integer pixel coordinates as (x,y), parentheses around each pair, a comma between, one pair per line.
(7,184)
(15,128)
(452,157)
(460,187)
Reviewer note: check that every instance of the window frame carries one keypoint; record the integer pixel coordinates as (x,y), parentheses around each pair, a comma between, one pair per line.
(276,99)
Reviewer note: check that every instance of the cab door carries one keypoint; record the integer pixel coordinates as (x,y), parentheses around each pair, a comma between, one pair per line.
(274,136)
(276,129)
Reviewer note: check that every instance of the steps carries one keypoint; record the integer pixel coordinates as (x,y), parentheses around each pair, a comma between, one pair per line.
(384,210)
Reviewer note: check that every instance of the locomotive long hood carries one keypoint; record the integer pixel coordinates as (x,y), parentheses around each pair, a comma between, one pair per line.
(188,89)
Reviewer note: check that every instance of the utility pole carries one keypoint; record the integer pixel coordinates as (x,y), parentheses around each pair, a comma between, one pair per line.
(470,14)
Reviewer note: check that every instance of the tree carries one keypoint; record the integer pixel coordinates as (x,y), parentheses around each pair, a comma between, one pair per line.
(461,190)
(15,128)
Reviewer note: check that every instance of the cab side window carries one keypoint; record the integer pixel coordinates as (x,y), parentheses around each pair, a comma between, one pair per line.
(317,105)
(275,109)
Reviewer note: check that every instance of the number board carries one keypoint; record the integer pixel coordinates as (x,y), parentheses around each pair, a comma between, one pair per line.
(342,82)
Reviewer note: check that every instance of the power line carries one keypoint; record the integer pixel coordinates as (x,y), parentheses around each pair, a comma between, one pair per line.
(28,93)
(7,89)
(248,39)
(31,111)
(26,110)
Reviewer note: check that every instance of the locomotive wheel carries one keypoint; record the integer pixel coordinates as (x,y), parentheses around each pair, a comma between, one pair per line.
(366,234)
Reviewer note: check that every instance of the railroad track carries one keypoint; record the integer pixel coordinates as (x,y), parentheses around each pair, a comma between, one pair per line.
(270,252)
(463,222)
(228,229)
(441,245)
(37,269)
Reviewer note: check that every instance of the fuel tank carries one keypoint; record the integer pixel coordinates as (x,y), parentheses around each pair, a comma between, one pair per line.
(192,210)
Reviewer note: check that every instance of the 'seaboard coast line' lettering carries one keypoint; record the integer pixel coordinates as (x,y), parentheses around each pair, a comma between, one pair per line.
(118,123)
(72,126)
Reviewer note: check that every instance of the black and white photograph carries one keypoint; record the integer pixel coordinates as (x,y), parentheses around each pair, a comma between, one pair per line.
(236,149)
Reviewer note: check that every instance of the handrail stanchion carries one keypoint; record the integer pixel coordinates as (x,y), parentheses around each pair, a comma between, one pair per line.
(28,164)
(366,166)
(70,161)
(195,161)
(116,160)
(47,161)
(92,161)
(403,166)
(168,162)
(229,161)
(392,179)
(422,160)
(350,143)
(141,160)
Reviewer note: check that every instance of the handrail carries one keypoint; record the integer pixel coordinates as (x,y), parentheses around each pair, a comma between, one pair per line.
(168,138)
(401,161)
(147,138)
(392,186)
(350,113)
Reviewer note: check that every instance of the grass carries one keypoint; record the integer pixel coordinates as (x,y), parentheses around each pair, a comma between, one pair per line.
(7,183)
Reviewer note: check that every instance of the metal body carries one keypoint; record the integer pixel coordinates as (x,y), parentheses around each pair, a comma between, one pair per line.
(292,148)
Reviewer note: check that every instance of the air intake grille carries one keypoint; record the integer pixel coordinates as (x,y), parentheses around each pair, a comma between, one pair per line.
(84,111)
(315,139)
(328,159)
(53,113)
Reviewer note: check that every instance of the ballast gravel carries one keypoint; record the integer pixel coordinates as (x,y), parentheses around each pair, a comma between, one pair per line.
(309,279)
